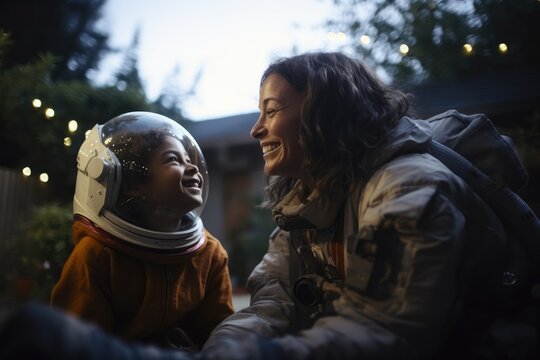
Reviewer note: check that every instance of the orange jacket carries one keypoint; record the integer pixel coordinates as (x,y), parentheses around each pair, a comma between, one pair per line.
(138,299)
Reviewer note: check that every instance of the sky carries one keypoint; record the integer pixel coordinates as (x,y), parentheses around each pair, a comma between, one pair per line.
(228,42)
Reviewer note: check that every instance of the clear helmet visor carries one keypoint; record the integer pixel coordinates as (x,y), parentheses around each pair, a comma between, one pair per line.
(162,184)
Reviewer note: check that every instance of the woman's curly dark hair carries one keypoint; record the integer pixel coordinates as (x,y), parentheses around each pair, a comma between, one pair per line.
(347,110)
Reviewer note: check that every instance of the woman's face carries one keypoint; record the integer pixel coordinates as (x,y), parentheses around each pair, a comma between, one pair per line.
(278,127)
(175,184)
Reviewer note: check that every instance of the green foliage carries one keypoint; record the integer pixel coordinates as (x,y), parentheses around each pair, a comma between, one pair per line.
(65,29)
(436,31)
(169,101)
(29,138)
(18,86)
(86,104)
(39,248)
(128,75)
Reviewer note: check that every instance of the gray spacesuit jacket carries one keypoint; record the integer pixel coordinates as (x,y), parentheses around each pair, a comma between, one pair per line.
(411,237)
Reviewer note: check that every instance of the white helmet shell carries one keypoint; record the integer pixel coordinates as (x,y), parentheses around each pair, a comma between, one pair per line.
(115,155)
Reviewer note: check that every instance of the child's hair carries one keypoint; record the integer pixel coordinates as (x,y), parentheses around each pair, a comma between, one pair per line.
(133,150)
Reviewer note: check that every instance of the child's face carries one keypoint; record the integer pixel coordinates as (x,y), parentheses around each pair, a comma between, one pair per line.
(175,184)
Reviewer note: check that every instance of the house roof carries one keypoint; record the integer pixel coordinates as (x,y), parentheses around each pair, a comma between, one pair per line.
(225,131)
(498,96)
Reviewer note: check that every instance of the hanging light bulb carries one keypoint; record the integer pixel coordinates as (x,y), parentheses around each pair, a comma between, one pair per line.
(403,49)
(72,126)
(365,40)
(49,113)
(332,36)
(36,103)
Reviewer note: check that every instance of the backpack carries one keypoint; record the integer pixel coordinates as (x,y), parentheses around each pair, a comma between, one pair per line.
(507,326)
(472,148)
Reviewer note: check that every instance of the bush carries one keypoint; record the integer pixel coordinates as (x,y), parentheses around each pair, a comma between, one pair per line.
(34,256)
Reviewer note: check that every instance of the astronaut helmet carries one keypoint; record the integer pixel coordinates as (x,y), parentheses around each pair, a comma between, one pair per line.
(142,178)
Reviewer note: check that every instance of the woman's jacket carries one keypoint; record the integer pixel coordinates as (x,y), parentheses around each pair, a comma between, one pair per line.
(394,262)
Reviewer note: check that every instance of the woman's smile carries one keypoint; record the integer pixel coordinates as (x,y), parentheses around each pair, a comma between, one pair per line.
(278,127)
(269,148)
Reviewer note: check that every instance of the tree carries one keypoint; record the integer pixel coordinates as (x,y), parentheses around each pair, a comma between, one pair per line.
(501,35)
(35,254)
(171,96)
(128,75)
(16,87)
(64,28)
(502,38)
(46,50)
(29,137)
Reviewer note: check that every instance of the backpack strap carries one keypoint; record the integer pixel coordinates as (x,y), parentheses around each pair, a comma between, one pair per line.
(507,204)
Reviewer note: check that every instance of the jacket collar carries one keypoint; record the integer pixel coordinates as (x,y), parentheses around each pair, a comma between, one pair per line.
(83,227)
(292,212)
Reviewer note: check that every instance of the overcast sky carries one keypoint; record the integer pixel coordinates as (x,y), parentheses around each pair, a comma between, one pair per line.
(229,41)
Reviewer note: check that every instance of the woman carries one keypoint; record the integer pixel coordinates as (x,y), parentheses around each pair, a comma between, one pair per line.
(374,252)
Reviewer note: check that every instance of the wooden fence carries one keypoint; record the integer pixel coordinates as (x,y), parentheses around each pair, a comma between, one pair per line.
(18,194)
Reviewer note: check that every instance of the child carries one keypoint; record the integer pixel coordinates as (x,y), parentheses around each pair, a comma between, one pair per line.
(143,267)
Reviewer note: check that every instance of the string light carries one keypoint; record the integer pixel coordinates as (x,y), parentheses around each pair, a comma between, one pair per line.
(403,49)
(44,177)
(27,171)
(67,141)
(365,40)
(72,126)
(49,113)
(36,103)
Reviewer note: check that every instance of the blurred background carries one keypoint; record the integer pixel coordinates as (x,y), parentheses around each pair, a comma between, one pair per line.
(68,64)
